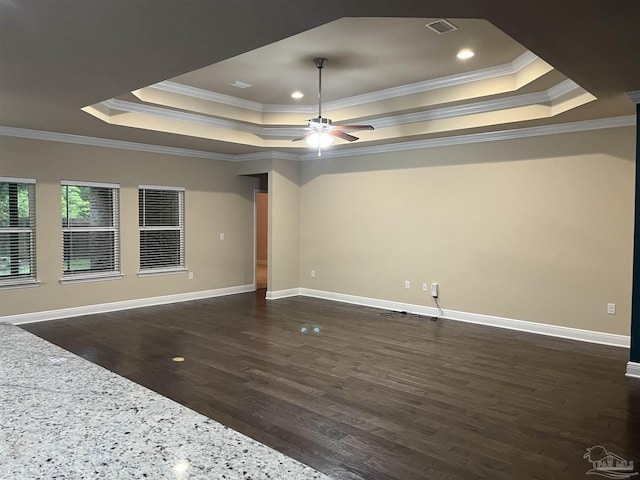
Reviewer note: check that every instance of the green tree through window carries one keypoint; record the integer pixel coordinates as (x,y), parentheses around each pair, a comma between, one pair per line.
(23,204)
(78,205)
(17,231)
(90,237)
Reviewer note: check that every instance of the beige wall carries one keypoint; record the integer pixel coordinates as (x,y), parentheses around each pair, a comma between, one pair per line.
(536,229)
(284,226)
(216,201)
(283,252)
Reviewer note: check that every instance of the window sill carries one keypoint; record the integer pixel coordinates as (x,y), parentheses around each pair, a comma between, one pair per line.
(162,271)
(91,278)
(19,284)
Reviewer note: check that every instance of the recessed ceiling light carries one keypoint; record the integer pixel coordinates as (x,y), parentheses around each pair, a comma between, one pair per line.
(297,95)
(465,54)
(178,359)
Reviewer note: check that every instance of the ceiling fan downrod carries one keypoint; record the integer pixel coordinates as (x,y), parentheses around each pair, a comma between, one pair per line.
(320,132)
(320,64)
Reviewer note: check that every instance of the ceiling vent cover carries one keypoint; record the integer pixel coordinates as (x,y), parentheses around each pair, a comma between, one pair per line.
(239,84)
(441,26)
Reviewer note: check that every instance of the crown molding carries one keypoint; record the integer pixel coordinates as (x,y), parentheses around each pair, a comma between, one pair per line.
(523,61)
(144,109)
(269,155)
(602,123)
(308,109)
(466,109)
(210,96)
(108,143)
(188,91)
(634,96)
(141,147)
(564,87)
(484,106)
(512,67)
(436,83)
(171,114)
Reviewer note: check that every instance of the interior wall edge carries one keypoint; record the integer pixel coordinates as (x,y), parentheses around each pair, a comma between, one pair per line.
(634,354)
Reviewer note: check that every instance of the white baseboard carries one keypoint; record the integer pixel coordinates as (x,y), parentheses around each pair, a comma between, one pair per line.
(512,324)
(633,369)
(123,305)
(275,295)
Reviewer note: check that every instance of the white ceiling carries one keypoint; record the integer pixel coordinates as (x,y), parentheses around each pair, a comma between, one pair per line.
(58,57)
(364,55)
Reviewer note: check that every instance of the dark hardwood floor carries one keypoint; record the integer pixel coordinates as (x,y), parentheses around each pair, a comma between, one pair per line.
(374,397)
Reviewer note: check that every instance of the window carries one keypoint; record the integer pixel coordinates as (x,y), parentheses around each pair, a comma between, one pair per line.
(90,236)
(161,220)
(17,231)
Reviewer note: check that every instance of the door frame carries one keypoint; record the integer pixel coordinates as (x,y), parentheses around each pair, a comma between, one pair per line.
(256,191)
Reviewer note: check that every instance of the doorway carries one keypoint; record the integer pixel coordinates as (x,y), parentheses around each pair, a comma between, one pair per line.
(261,235)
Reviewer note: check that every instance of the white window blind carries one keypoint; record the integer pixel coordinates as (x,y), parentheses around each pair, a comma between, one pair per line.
(17,231)
(90,230)
(161,221)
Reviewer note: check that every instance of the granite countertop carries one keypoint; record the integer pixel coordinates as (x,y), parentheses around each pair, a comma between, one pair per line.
(63,417)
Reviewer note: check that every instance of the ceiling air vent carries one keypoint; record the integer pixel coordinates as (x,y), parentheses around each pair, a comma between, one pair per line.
(239,84)
(441,26)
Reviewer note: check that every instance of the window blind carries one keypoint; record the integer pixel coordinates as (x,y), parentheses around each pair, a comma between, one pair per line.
(161,222)
(90,230)
(17,231)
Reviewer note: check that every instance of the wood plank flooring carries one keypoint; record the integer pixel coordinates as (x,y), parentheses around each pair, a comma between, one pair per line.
(374,397)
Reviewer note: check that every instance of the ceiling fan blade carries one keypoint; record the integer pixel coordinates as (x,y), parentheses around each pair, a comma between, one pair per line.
(350,128)
(302,137)
(343,136)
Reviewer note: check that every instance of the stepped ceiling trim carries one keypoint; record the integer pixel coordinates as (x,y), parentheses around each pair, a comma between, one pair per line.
(585,125)
(510,68)
(113,108)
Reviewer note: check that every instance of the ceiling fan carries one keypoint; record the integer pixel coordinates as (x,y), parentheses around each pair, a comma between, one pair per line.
(321,131)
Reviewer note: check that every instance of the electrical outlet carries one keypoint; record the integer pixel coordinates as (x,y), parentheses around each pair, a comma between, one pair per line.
(434,290)
(407,284)
(313,274)
(190,275)
(425,286)
(611,308)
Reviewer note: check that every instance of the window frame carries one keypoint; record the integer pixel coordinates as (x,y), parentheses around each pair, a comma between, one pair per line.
(89,276)
(180,228)
(30,279)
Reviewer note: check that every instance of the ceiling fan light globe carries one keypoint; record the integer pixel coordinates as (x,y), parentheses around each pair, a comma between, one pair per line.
(321,140)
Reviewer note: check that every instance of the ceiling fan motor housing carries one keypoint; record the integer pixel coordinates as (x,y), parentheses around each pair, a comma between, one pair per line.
(320,121)
(319,62)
